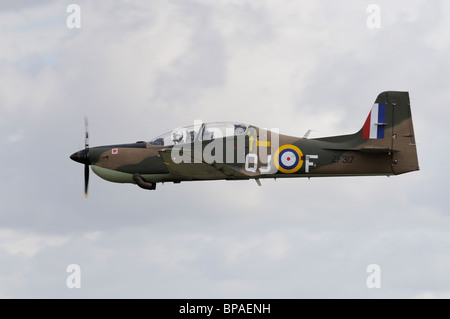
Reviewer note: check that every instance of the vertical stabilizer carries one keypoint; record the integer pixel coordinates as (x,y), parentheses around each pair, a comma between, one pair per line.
(389,127)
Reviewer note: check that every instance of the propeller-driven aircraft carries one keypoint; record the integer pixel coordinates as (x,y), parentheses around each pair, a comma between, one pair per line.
(385,145)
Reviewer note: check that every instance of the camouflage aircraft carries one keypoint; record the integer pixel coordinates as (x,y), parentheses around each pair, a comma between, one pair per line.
(385,145)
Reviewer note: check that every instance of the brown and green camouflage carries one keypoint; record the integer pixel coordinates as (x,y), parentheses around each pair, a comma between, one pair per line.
(385,145)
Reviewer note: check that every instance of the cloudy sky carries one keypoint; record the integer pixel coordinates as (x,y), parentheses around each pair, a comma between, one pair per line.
(138,69)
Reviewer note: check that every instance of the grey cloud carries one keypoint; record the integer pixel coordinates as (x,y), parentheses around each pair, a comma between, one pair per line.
(138,70)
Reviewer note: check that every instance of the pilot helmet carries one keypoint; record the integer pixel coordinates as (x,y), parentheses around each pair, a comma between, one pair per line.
(177,136)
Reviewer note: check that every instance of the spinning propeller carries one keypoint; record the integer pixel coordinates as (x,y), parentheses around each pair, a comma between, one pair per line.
(83,157)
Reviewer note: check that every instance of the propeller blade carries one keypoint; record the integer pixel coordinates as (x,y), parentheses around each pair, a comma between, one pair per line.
(86,166)
(86,140)
(83,158)
(86,180)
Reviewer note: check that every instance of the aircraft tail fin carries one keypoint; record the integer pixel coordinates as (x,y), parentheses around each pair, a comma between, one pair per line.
(387,129)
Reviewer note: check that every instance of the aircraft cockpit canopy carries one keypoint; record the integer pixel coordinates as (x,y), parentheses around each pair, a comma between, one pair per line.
(204,132)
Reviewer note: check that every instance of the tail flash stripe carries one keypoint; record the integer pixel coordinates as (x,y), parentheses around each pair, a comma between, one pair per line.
(381,120)
(366,128)
(373,121)
(374,125)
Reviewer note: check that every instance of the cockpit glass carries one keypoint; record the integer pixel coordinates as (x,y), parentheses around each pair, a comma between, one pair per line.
(222,129)
(207,131)
(179,135)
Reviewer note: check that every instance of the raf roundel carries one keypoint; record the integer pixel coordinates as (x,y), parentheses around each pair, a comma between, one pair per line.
(288,159)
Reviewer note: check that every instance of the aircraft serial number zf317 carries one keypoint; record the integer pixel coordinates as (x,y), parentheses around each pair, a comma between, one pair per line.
(385,145)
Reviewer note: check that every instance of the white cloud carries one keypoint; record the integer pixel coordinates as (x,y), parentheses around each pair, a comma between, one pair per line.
(17,243)
(16,137)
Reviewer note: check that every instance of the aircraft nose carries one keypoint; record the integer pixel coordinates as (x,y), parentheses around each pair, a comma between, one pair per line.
(81,156)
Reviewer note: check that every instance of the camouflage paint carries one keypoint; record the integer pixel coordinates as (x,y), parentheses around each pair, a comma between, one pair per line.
(391,150)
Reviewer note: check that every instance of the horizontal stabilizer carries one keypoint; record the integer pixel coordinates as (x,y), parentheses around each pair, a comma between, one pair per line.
(363,149)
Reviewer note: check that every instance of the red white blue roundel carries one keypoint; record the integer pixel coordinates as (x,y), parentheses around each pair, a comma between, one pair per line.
(288,158)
